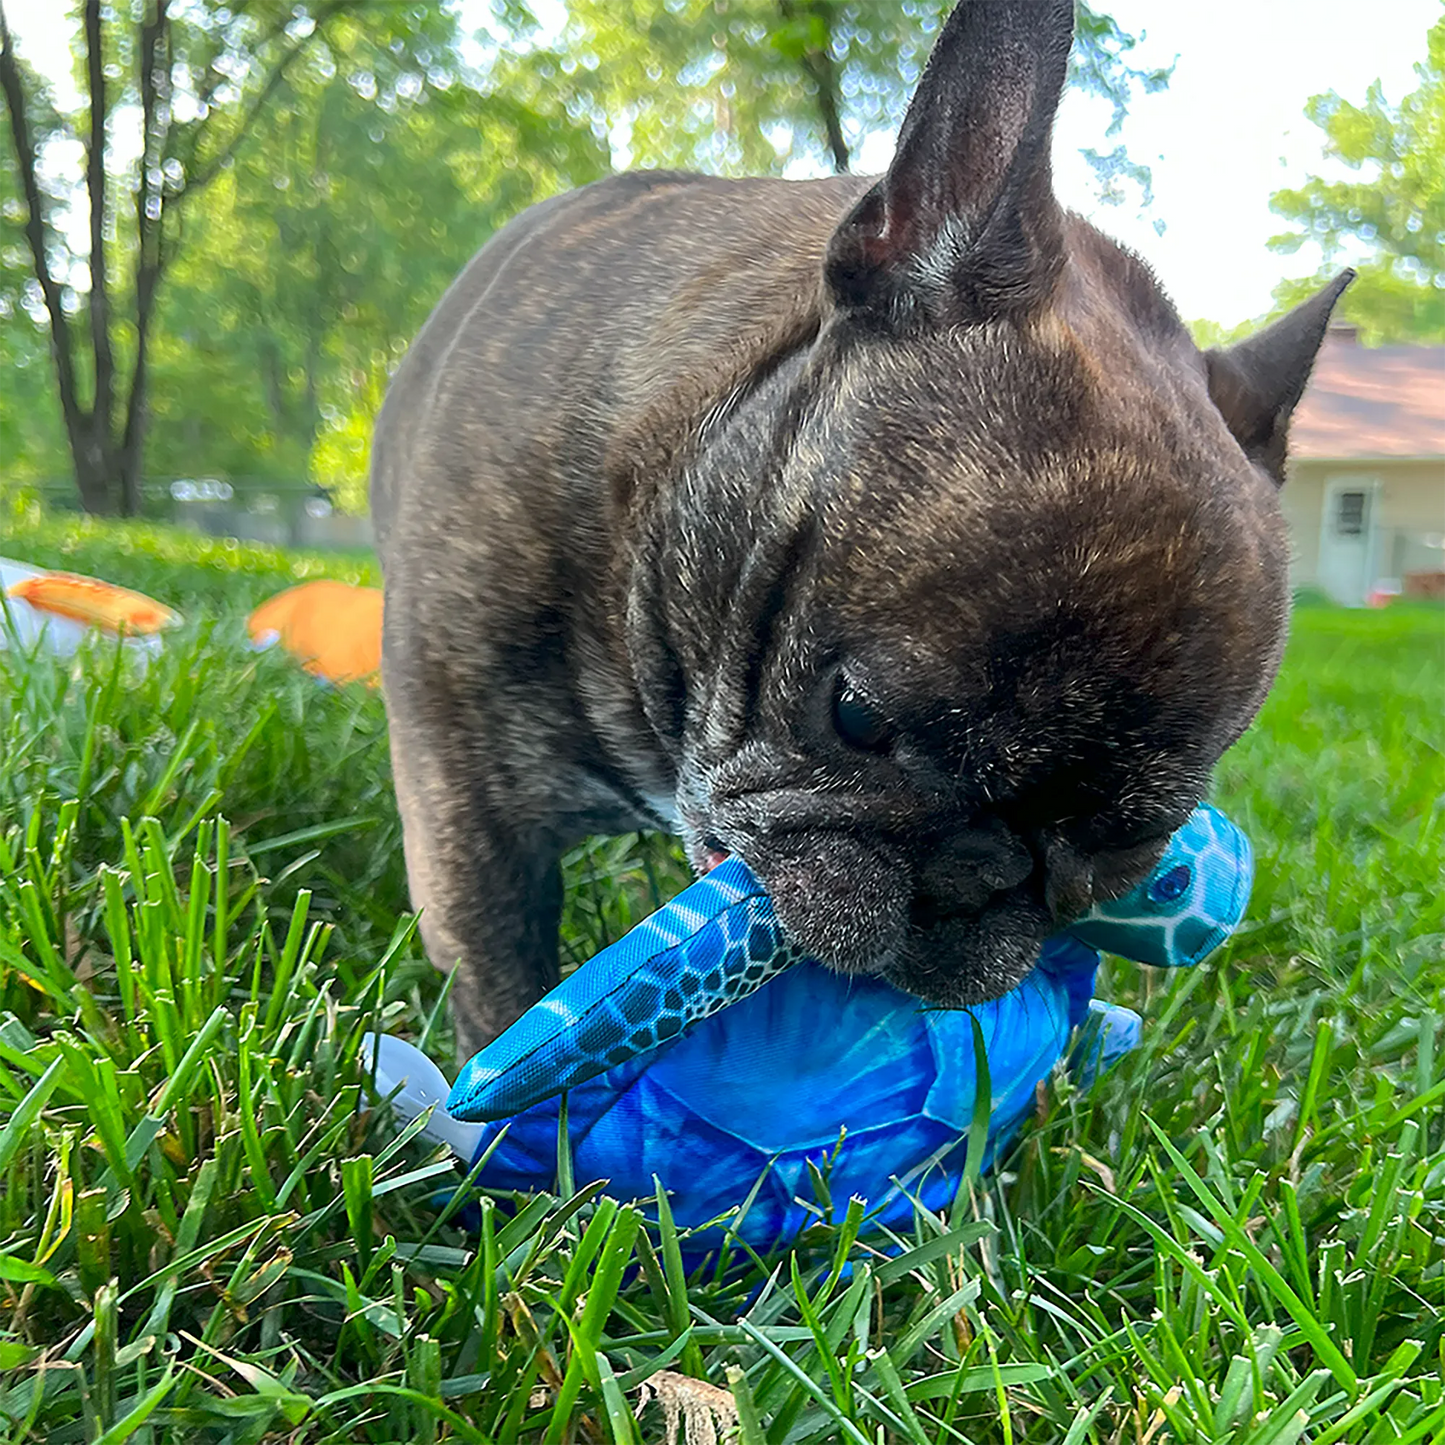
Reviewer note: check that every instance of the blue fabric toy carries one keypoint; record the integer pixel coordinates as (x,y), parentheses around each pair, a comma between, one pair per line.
(679,1064)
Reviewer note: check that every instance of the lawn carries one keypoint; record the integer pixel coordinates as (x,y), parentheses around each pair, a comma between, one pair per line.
(1236,1236)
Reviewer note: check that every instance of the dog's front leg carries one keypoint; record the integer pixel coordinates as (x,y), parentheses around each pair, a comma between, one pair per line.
(486,880)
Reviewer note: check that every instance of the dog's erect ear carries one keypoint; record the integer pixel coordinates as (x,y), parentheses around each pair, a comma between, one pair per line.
(1258,383)
(965,224)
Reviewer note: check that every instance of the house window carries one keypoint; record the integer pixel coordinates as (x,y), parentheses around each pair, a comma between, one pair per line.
(1349,514)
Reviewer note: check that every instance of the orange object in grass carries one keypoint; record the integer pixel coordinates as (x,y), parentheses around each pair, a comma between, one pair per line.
(95,603)
(332,628)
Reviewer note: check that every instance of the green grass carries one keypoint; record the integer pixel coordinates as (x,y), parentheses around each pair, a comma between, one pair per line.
(1237,1236)
(185,570)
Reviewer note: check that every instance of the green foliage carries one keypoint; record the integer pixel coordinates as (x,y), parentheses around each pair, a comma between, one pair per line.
(1394,214)
(1213,333)
(1235,1238)
(749,86)
(362,192)
(199,78)
(341,454)
(326,175)
(32,435)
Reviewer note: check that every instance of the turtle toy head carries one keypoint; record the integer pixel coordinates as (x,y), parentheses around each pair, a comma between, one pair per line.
(1189,904)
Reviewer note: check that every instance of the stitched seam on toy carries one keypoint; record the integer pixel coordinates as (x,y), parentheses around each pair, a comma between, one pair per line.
(1243,878)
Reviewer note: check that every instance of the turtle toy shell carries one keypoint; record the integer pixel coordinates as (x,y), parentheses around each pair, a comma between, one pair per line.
(702,1052)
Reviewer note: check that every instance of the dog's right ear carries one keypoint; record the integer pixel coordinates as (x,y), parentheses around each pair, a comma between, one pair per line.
(965,226)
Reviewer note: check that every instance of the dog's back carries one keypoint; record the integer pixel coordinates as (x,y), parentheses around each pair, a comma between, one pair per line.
(595,327)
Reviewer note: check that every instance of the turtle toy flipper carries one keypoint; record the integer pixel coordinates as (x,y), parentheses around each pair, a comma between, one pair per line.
(715,943)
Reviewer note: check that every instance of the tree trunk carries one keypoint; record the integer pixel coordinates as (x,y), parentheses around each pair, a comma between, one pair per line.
(137,408)
(102,352)
(817,65)
(130,495)
(95,475)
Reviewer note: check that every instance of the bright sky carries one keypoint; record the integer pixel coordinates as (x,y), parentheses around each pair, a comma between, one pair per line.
(1229,130)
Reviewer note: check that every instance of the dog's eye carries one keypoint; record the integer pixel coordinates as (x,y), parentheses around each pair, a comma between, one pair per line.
(858,722)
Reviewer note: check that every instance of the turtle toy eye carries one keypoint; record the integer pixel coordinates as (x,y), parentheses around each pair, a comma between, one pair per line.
(1171,885)
(858,722)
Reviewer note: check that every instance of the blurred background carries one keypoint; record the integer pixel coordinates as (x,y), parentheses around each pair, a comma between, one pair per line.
(220,225)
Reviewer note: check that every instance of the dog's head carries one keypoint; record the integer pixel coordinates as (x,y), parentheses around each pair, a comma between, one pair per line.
(954,613)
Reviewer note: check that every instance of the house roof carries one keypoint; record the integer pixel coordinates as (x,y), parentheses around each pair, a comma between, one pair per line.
(1371,401)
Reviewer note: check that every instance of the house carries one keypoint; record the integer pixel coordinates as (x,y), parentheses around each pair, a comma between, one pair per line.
(1365,499)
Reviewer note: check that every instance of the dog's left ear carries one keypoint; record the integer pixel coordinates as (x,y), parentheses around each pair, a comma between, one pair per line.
(1258,383)
(965,227)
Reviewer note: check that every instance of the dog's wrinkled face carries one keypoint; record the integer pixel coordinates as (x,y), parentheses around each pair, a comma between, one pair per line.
(954,611)
(974,666)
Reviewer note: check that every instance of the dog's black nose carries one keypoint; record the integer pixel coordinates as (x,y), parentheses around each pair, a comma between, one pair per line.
(970,866)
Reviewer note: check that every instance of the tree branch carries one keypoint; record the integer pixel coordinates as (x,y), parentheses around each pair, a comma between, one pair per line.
(155,126)
(95,192)
(818,66)
(215,78)
(60,338)
(205,176)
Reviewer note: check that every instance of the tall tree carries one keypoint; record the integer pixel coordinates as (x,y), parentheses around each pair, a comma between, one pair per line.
(170,96)
(361,193)
(751,85)
(1390,222)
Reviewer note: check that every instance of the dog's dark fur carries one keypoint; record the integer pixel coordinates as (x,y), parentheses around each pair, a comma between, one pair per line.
(891,534)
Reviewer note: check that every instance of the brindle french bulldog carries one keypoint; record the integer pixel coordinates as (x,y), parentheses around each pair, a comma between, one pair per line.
(890,533)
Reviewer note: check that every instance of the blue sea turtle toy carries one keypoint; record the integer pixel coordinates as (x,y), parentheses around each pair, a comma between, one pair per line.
(702,1049)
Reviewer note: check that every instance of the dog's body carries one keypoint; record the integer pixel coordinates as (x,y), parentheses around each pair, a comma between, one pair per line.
(893,534)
